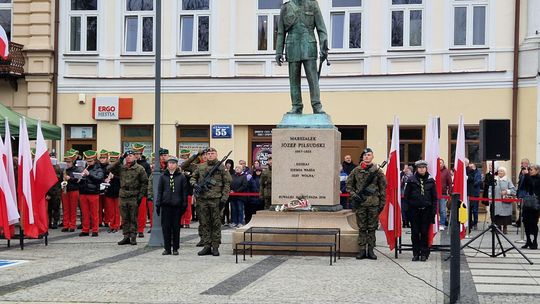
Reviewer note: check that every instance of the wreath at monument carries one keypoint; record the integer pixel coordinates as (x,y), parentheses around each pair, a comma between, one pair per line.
(299,204)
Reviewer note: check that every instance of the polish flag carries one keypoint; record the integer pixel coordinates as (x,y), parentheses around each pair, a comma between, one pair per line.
(433,159)
(460,176)
(4,44)
(8,206)
(10,170)
(26,178)
(391,215)
(47,178)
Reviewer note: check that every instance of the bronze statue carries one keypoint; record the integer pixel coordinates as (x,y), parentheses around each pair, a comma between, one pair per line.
(297,22)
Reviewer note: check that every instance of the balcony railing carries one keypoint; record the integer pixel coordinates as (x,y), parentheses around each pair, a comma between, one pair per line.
(13,67)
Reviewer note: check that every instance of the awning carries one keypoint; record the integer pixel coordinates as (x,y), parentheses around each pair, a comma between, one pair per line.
(50,131)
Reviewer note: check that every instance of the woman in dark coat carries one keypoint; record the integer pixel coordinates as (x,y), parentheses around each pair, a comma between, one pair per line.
(421,196)
(530,216)
(171,203)
(254,203)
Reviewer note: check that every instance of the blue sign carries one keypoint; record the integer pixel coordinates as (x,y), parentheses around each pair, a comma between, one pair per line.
(221,131)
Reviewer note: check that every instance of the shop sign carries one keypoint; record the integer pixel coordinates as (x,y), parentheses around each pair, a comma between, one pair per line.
(107,108)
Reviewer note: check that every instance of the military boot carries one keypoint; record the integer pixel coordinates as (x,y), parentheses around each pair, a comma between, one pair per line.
(124,241)
(205,251)
(215,251)
(133,239)
(370,254)
(200,244)
(362,253)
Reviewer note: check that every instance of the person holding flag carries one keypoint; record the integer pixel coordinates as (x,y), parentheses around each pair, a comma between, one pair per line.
(367,186)
(421,195)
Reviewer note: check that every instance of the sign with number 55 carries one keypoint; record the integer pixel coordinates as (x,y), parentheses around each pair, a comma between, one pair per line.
(221,131)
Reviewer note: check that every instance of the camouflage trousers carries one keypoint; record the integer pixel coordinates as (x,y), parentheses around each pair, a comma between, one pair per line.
(367,218)
(267,202)
(129,210)
(210,222)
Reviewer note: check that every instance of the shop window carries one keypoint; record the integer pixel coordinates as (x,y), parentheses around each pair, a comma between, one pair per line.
(191,139)
(260,143)
(142,134)
(81,137)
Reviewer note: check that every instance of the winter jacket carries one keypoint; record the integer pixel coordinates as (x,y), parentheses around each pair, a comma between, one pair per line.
(421,192)
(503,209)
(359,176)
(145,165)
(113,191)
(72,183)
(90,183)
(239,184)
(446,181)
(348,167)
(531,184)
(172,190)
(220,181)
(133,180)
(255,187)
(474,182)
(266,183)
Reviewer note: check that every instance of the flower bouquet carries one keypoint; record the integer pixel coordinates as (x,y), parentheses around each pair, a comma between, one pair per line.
(298,204)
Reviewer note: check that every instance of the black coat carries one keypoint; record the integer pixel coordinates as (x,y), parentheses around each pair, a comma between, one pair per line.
(167,196)
(145,165)
(239,184)
(72,183)
(348,167)
(418,199)
(255,187)
(531,184)
(113,191)
(90,184)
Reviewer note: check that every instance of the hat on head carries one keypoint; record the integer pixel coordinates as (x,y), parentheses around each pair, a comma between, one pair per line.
(210,149)
(185,151)
(103,153)
(366,150)
(129,152)
(90,154)
(137,148)
(75,152)
(421,163)
(163,151)
(69,156)
(114,155)
(172,159)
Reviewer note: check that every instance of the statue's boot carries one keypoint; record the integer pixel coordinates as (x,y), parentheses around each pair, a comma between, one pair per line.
(295,110)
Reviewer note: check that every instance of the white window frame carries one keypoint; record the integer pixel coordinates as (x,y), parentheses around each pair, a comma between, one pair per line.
(346,24)
(407,8)
(469,35)
(195,43)
(270,15)
(140,15)
(83,14)
(9,6)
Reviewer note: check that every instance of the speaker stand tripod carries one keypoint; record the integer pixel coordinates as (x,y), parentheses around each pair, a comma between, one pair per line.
(496,233)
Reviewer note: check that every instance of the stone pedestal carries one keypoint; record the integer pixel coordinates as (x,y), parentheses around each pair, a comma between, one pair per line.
(306,155)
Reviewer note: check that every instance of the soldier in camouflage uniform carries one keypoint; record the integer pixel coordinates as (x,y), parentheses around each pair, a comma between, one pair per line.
(133,187)
(297,22)
(367,186)
(188,167)
(265,192)
(209,216)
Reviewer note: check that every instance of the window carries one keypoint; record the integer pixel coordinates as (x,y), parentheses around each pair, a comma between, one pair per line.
(470,23)
(5,16)
(81,137)
(411,144)
(346,24)
(407,23)
(260,142)
(83,26)
(191,139)
(472,145)
(139,26)
(142,134)
(267,22)
(195,26)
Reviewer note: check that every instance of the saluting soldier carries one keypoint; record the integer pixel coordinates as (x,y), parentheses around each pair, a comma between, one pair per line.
(145,209)
(297,22)
(209,200)
(265,192)
(367,186)
(133,187)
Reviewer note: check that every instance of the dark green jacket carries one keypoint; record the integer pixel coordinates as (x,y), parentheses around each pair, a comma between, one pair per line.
(221,181)
(133,180)
(266,183)
(357,179)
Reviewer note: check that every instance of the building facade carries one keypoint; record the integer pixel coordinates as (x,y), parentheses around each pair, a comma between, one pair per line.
(411,58)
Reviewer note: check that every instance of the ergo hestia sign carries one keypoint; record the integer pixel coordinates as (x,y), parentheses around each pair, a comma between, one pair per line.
(106,108)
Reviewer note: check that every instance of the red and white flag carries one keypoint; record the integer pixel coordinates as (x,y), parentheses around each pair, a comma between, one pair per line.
(460,176)
(43,169)
(8,164)
(433,159)
(391,215)
(25,177)
(8,207)
(4,44)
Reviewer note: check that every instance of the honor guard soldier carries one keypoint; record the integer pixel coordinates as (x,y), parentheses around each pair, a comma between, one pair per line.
(92,177)
(421,195)
(188,167)
(212,184)
(265,192)
(144,209)
(367,187)
(133,187)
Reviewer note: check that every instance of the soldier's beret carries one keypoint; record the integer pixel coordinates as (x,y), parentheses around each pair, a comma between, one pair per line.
(211,150)
(366,150)
(129,152)
(172,159)
(90,154)
(137,148)
(421,163)
(163,151)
